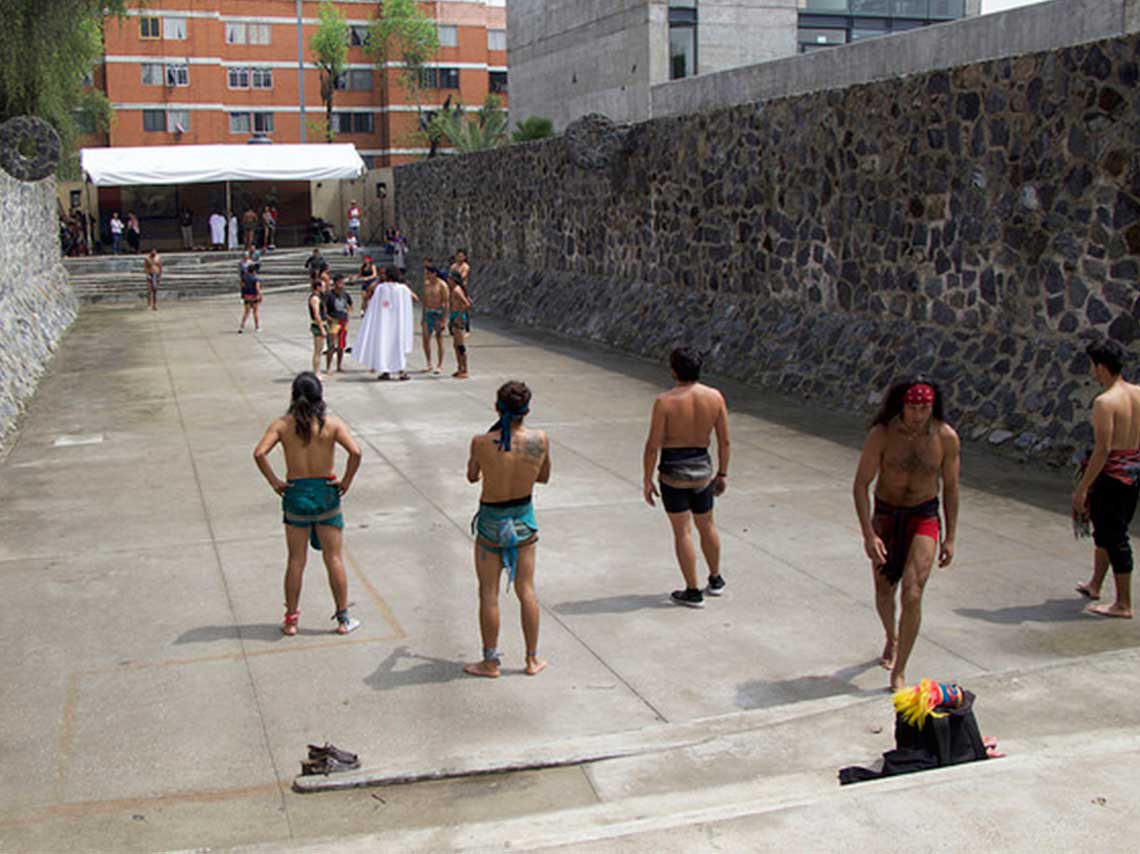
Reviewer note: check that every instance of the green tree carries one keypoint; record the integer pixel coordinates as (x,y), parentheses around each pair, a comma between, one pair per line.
(487,128)
(329,45)
(46,51)
(532,127)
(401,33)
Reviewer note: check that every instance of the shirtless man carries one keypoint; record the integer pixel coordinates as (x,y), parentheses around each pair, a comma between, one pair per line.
(683,419)
(435,304)
(460,266)
(457,322)
(1107,491)
(152,264)
(318,326)
(511,459)
(311,493)
(910,445)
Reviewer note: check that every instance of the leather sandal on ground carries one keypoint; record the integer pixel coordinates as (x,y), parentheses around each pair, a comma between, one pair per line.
(332,750)
(326,765)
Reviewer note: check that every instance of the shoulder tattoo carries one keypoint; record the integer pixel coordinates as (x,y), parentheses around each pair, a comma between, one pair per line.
(535,446)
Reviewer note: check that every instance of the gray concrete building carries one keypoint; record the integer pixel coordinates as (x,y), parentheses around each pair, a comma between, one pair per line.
(569,58)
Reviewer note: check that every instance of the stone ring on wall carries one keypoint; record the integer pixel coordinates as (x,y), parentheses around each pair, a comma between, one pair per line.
(593,141)
(22,133)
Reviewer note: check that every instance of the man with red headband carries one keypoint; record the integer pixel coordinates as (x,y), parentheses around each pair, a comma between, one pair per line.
(910,447)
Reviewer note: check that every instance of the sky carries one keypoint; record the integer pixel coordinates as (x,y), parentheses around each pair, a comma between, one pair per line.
(1001,5)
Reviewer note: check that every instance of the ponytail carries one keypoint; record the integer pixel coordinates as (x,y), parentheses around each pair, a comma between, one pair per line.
(307,406)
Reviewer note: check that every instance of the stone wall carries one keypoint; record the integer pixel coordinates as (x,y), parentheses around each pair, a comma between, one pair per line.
(36,302)
(976,224)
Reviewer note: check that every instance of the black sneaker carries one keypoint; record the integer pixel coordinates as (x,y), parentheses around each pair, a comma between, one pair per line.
(715,586)
(692,598)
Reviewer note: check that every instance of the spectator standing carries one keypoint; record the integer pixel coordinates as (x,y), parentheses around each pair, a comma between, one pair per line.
(116,232)
(186,223)
(134,232)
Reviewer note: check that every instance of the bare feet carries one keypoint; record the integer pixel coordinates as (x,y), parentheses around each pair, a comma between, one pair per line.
(437,371)
(534,666)
(461,375)
(488,669)
(887,661)
(898,680)
(1110,611)
(1088,592)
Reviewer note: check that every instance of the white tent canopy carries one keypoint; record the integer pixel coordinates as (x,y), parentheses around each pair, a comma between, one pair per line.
(195,164)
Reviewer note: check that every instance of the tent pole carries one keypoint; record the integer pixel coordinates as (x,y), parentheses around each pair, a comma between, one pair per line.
(87,212)
(229,213)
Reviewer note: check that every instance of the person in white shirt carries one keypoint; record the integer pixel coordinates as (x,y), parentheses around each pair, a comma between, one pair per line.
(217,224)
(116,232)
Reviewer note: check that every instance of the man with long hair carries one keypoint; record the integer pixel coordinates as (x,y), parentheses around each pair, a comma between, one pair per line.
(510,459)
(311,493)
(1110,482)
(682,423)
(909,449)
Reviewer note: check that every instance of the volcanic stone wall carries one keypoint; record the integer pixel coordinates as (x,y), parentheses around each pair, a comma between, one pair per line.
(36,301)
(976,224)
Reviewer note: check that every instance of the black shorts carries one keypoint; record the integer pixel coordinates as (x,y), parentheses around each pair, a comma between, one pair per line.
(1111,507)
(677,500)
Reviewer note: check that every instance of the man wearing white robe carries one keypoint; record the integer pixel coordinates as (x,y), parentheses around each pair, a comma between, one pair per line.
(385,337)
(232,232)
(217,230)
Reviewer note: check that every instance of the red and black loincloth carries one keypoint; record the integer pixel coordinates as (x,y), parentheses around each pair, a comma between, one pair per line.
(898,526)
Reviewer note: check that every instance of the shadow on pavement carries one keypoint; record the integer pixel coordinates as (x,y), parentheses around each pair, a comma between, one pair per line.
(249,631)
(613,604)
(1049,611)
(764,694)
(432,671)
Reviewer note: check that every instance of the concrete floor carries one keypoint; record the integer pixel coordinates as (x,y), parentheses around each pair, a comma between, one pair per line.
(150,701)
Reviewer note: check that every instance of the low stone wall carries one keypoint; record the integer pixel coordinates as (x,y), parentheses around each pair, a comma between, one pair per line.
(36,302)
(976,224)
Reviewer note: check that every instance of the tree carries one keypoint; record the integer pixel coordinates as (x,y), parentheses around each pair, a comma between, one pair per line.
(531,128)
(486,129)
(46,51)
(329,45)
(401,33)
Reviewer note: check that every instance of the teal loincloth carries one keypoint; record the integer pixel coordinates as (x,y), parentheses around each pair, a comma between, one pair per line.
(312,501)
(502,526)
(433,319)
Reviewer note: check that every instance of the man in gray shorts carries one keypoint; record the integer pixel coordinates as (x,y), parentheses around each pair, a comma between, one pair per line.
(683,420)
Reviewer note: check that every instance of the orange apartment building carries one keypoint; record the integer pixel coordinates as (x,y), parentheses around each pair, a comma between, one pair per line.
(219,71)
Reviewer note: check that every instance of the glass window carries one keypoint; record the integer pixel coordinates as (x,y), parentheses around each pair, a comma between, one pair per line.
(154,120)
(912,8)
(177,121)
(239,123)
(441,78)
(949,9)
(174,28)
(497,82)
(825,5)
(263,122)
(448,35)
(362,122)
(870,7)
(496,39)
(858,34)
(235,33)
(87,78)
(178,75)
(238,77)
(260,33)
(262,78)
(149,28)
(682,52)
(358,36)
(822,36)
(152,74)
(360,79)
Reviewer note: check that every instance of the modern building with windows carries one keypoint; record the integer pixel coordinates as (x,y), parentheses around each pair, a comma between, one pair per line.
(569,58)
(220,71)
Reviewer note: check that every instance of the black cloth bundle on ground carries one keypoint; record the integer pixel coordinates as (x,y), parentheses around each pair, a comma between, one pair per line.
(949,740)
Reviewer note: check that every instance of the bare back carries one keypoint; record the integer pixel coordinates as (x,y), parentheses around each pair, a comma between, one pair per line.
(910,465)
(509,474)
(691,413)
(315,459)
(1122,402)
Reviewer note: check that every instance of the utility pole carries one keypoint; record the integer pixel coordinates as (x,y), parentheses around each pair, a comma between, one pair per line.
(301,68)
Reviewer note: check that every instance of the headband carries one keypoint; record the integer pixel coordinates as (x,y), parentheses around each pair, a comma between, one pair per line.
(919,394)
(504,424)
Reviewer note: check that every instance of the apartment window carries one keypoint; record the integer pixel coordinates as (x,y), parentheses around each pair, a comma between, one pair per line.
(150,28)
(448,35)
(357,80)
(178,75)
(174,29)
(358,36)
(263,122)
(152,74)
(497,82)
(235,33)
(240,123)
(260,33)
(237,77)
(177,121)
(353,122)
(441,78)
(87,78)
(496,39)
(262,78)
(154,120)
(682,38)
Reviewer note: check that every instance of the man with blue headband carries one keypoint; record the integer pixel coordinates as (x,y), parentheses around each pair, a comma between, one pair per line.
(510,459)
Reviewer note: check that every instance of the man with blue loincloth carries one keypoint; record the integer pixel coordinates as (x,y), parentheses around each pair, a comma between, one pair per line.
(510,459)
(435,305)
(311,493)
(684,418)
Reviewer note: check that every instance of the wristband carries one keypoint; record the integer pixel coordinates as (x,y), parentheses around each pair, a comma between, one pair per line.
(722,474)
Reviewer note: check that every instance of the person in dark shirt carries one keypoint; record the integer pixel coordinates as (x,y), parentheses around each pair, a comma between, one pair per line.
(316,264)
(338,307)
